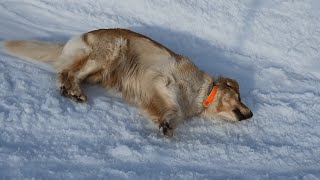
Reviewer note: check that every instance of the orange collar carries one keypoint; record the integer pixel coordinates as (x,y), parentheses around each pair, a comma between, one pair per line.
(211,96)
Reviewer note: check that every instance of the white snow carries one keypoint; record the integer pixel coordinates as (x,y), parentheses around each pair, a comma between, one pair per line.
(271,47)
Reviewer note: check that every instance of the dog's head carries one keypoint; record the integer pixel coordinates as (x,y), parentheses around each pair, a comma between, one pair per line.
(227,102)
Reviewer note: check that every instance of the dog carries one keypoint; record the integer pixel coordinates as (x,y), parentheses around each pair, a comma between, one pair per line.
(166,86)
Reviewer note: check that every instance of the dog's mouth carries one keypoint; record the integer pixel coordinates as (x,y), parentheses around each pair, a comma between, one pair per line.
(240,116)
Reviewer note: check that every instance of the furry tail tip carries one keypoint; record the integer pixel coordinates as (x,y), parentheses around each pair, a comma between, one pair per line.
(34,50)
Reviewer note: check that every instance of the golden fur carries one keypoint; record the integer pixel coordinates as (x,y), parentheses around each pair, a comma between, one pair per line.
(166,86)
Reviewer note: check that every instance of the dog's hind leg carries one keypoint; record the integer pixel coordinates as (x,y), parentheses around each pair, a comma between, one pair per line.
(94,78)
(71,78)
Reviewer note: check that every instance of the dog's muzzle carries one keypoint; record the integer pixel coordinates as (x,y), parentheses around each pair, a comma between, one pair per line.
(241,116)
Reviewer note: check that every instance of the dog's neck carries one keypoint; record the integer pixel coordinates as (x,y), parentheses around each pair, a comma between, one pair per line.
(210,87)
(204,92)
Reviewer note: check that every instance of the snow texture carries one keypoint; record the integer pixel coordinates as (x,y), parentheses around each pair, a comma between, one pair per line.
(271,47)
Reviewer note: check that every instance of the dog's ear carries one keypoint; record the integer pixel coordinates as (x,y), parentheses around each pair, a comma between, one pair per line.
(227,82)
(233,84)
(221,81)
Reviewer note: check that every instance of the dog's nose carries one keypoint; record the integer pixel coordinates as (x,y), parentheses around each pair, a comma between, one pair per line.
(241,116)
(246,116)
(250,114)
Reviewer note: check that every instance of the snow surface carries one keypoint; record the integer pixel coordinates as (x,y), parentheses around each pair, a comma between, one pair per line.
(271,47)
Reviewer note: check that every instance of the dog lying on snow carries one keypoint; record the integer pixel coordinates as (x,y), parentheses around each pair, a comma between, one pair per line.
(166,86)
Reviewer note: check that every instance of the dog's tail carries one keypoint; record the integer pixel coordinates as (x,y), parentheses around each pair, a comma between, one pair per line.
(34,50)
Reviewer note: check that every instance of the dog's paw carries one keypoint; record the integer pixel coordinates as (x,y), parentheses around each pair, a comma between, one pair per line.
(64,91)
(166,129)
(77,96)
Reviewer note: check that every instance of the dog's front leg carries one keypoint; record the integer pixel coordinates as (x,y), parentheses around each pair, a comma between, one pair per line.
(168,122)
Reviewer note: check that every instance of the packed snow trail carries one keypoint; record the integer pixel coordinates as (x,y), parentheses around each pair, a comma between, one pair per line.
(270,47)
